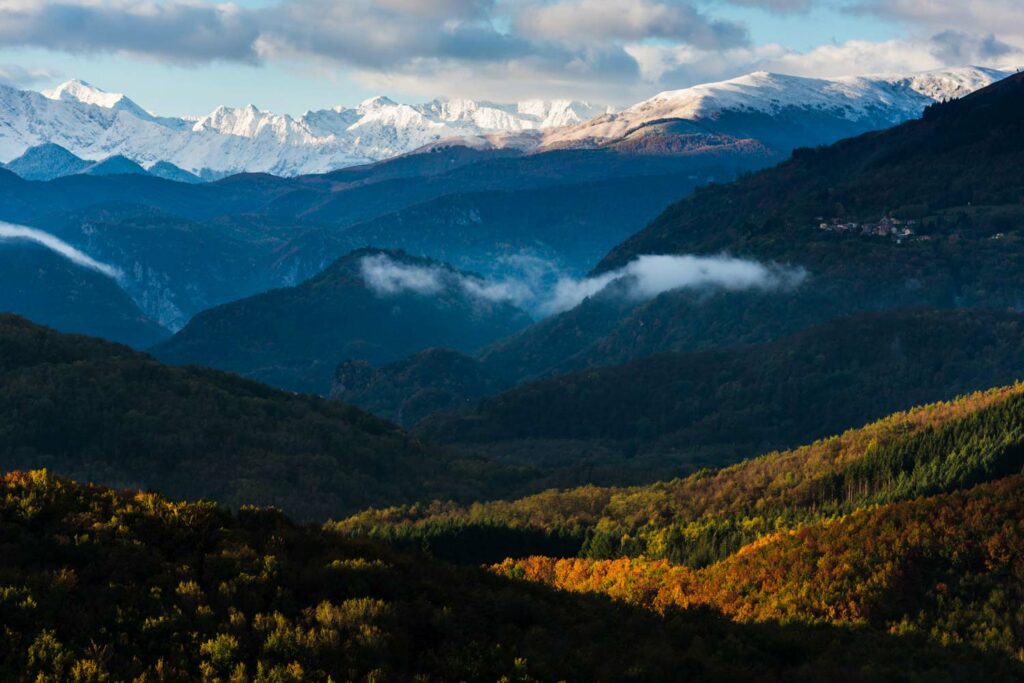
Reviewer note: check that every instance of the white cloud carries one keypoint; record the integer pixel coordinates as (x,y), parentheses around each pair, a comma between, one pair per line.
(603,20)
(9,231)
(386,276)
(614,51)
(20,76)
(648,276)
(537,291)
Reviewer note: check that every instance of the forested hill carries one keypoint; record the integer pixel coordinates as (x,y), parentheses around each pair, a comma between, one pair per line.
(100,585)
(712,408)
(103,413)
(911,525)
(925,214)
(371,304)
(956,171)
(709,515)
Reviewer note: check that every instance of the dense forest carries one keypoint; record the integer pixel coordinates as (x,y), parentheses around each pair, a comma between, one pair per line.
(101,412)
(950,567)
(101,585)
(706,517)
(667,414)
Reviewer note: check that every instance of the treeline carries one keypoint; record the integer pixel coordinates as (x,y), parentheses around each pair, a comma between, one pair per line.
(710,515)
(99,585)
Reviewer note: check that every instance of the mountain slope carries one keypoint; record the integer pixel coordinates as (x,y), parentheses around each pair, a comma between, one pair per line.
(958,155)
(95,124)
(46,162)
(759,114)
(708,516)
(47,287)
(924,214)
(100,412)
(374,305)
(685,410)
(946,566)
(158,589)
(775,111)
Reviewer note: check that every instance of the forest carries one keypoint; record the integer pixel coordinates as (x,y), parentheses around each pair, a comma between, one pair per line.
(105,585)
(711,514)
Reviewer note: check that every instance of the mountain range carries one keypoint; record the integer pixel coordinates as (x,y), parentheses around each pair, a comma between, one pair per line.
(760,114)
(95,124)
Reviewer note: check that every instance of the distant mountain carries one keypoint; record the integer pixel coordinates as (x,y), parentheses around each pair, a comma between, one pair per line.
(48,288)
(115,165)
(923,214)
(46,162)
(167,170)
(759,115)
(95,124)
(771,113)
(371,304)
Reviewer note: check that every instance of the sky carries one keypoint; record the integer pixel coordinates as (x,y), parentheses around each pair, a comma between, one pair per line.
(186,57)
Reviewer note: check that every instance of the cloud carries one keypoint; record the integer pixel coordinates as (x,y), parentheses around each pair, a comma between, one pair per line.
(612,51)
(674,64)
(535,290)
(648,276)
(176,31)
(604,20)
(9,231)
(777,6)
(979,17)
(19,76)
(386,276)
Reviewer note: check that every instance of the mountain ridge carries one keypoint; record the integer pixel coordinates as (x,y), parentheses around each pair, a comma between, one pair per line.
(93,123)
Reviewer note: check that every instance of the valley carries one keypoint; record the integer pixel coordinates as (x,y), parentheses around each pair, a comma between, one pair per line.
(723,385)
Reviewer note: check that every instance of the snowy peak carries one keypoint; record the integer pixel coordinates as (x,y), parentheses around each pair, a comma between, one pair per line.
(84,93)
(94,124)
(877,101)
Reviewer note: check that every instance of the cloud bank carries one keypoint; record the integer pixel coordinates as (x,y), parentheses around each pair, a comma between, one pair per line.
(9,231)
(615,51)
(534,290)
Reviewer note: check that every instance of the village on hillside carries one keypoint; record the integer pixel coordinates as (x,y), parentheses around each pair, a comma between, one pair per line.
(894,228)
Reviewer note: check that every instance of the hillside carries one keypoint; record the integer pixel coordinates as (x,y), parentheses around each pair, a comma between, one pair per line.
(946,566)
(951,171)
(158,590)
(672,413)
(570,226)
(708,516)
(370,305)
(410,390)
(923,214)
(47,287)
(101,412)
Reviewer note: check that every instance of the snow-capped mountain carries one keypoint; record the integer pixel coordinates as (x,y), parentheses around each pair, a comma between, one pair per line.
(760,113)
(868,102)
(94,124)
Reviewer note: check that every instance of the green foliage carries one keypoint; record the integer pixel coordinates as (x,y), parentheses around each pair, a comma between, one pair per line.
(947,566)
(97,585)
(708,516)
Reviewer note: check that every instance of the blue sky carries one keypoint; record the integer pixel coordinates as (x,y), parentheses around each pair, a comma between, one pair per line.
(179,57)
